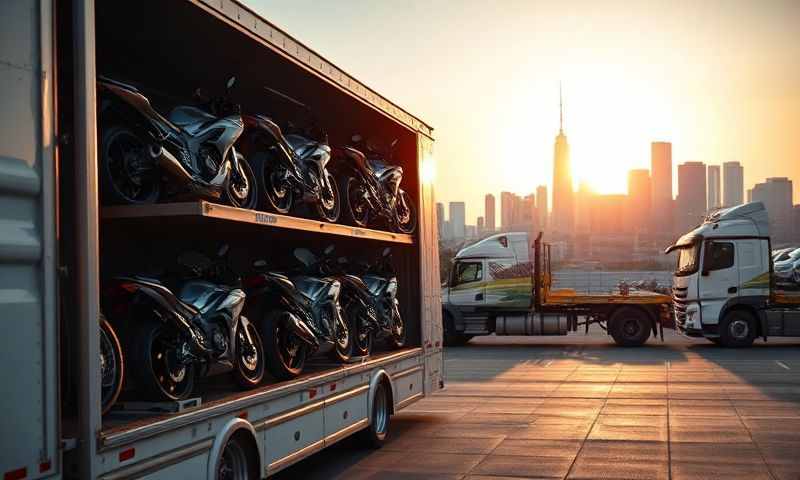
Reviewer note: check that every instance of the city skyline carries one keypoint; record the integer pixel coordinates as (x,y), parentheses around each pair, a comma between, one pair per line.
(694,74)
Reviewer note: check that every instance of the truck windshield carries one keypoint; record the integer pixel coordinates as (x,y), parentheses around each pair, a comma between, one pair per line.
(688,259)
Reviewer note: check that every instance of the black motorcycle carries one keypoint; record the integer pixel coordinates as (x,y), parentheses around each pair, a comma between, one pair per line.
(112,366)
(371,187)
(199,332)
(291,168)
(299,314)
(381,282)
(193,149)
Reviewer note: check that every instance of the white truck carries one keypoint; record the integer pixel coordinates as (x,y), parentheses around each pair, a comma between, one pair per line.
(724,288)
(495,287)
(56,242)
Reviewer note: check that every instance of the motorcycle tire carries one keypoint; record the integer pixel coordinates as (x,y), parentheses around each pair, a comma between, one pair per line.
(343,347)
(120,143)
(274,333)
(362,338)
(351,216)
(110,358)
(249,200)
(397,340)
(249,369)
(150,359)
(406,225)
(330,214)
(269,199)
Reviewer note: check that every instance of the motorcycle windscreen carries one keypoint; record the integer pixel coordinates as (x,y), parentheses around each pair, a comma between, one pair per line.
(374,283)
(311,287)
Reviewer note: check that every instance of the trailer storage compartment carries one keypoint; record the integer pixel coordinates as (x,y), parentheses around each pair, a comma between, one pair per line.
(164,51)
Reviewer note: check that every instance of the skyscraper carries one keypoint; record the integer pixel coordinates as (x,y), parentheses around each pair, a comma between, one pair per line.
(506,210)
(481,227)
(714,196)
(639,201)
(776,193)
(440,220)
(661,184)
(733,182)
(541,205)
(690,208)
(563,201)
(489,212)
(458,219)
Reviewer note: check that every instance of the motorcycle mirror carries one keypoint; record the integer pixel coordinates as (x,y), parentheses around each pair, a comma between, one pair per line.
(329,249)
(231,83)
(387,251)
(305,256)
(356,138)
(223,250)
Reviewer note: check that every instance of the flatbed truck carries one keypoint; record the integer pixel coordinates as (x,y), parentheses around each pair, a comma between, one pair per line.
(495,287)
(57,243)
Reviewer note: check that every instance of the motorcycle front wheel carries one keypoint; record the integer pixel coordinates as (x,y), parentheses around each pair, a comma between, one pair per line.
(342,341)
(329,205)
(356,208)
(275,192)
(405,214)
(285,352)
(362,334)
(127,173)
(399,334)
(241,190)
(249,356)
(112,366)
(157,372)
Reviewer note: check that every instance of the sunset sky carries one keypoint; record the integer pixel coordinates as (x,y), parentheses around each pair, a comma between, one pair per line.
(718,79)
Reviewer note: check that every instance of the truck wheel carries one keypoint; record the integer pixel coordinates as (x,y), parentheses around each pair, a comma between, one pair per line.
(237,461)
(737,329)
(374,436)
(629,326)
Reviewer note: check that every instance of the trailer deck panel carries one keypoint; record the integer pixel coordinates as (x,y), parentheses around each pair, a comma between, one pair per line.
(199,211)
(121,428)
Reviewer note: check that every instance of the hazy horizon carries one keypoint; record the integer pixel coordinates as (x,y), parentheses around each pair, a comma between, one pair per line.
(720,80)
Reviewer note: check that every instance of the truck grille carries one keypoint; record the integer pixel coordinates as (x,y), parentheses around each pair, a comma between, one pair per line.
(679,295)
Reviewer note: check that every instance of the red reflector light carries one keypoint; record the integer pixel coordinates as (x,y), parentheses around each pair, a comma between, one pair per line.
(312,393)
(16,474)
(242,415)
(129,287)
(333,387)
(127,454)
(45,466)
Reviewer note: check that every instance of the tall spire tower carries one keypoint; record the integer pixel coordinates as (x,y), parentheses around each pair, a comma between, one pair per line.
(563,220)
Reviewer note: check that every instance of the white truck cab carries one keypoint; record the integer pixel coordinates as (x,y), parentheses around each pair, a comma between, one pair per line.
(723,287)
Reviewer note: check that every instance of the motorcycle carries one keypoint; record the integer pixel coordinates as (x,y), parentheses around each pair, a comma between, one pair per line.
(299,314)
(381,280)
(292,167)
(193,149)
(371,187)
(200,331)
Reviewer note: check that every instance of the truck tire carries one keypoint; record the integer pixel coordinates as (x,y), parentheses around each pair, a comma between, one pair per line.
(629,326)
(737,329)
(374,436)
(239,460)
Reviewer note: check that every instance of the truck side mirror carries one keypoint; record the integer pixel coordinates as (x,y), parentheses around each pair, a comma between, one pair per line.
(706,265)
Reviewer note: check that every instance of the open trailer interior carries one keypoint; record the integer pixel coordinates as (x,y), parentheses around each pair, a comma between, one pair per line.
(168,49)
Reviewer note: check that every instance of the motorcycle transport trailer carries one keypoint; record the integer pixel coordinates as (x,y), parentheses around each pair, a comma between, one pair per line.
(57,244)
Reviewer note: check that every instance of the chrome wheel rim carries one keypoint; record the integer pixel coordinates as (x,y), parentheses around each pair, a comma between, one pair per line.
(739,329)
(381,411)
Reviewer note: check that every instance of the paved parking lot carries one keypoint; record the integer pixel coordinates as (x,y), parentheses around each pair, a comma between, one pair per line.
(578,407)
